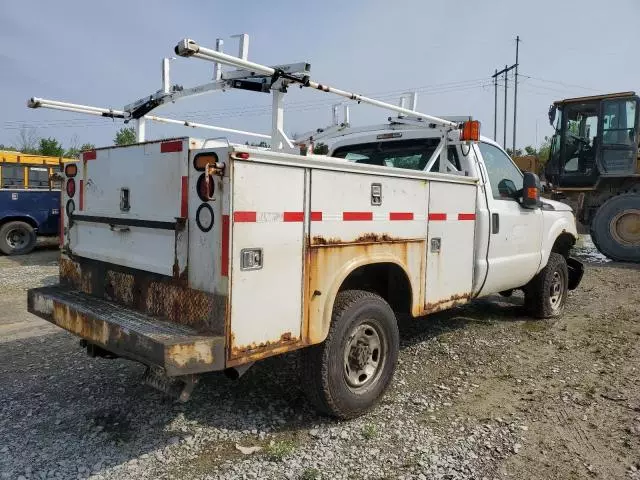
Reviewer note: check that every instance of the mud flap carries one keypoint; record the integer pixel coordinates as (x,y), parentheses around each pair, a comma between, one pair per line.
(576,270)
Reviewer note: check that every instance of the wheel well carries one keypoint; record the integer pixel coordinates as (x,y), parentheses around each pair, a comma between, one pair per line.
(28,220)
(388,280)
(563,244)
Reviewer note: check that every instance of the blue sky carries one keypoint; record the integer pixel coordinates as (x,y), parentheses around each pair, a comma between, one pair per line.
(109,54)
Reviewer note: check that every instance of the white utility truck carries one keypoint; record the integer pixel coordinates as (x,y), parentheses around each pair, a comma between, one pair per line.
(193,256)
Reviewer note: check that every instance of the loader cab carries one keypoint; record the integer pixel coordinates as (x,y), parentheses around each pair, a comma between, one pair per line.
(594,137)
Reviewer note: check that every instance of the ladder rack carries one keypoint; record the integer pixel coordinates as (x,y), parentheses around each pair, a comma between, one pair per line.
(255,77)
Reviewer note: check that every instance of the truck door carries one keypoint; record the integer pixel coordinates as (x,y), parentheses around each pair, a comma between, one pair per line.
(619,147)
(515,238)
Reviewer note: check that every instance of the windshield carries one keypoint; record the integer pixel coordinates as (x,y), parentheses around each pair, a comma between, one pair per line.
(408,154)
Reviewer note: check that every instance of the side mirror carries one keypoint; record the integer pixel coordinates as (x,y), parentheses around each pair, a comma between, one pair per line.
(552,114)
(531,190)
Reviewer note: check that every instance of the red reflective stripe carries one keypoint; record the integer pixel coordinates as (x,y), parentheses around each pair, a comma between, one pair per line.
(357,216)
(293,217)
(184,195)
(466,216)
(244,217)
(168,147)
(224,261)
(437,216)
(401,216)
(316,216)
(81,196)
(90,155)
(61,224)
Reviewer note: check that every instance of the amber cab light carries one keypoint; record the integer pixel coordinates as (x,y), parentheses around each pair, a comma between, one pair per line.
(201,161)
(71,170)
(470,131)
(71,187)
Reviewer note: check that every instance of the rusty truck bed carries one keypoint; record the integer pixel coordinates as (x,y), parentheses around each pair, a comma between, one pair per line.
(178,349)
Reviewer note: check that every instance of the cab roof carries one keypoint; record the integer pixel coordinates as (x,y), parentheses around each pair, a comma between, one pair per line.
(594,97)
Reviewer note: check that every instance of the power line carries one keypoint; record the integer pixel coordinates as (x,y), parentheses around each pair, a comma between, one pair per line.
(569,85)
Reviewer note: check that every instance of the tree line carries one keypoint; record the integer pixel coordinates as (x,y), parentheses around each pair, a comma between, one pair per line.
(28,141)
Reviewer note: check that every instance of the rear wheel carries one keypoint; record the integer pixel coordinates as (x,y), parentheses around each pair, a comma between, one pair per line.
(346,374)
(17,238)
(546,295)
(615,228)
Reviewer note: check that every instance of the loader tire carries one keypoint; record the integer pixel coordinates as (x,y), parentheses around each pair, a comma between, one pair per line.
(17,238)
(546,294)
(615,228)
(348,373)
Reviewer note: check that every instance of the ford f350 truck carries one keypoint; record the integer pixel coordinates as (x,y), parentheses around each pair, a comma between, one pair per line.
(192,256)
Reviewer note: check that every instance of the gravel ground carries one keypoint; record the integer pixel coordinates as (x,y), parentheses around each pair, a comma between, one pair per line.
(480,392)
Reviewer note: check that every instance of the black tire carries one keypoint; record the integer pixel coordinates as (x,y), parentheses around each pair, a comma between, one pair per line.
(615,228)
(330,370)
(17,238)
(546,294)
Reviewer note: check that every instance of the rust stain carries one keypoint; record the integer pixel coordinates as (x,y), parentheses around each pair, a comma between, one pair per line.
(191,354)
(263,349)
(364,238)
(452,301)
(78,323)
(150,293)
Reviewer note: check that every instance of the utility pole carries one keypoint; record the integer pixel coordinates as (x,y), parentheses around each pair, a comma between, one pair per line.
(506,86)
(505,72)
(495,106)
(515,97)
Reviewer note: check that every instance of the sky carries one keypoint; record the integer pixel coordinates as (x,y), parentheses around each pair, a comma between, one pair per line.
(109,54)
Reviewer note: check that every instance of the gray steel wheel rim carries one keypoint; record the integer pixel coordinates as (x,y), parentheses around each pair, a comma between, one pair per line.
(17,238)
(364,356)
(556,290)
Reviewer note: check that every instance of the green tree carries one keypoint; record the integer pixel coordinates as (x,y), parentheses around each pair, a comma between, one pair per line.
(125,136)
(75,151)
(8,148)
(321,148)
(50,147)
(529,150)
(544,150)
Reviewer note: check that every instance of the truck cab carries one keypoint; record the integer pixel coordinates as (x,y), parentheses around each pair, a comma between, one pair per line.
(594,137)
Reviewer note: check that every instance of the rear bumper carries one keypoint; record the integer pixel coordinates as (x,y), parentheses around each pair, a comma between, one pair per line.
(178,349)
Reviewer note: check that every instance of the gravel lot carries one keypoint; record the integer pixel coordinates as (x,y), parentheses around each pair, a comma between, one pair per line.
(481,392)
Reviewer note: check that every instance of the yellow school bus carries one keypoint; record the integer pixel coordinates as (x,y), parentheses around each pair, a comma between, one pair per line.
(26,171)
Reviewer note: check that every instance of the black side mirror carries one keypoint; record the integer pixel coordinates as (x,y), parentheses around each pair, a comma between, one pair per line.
(552,114)
(531,190)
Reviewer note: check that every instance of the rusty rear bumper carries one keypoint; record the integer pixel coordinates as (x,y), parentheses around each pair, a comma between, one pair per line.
(178,349)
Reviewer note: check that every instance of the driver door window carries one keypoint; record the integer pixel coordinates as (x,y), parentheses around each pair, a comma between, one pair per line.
(505,178)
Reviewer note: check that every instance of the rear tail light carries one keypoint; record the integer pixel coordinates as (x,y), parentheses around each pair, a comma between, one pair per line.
(70,208)
(201,161)
(205,187)
(71,170)
(71,187)
(242,155)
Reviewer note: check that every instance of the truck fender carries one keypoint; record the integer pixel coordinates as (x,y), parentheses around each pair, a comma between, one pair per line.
(320,313)
(21,217)
(560,226)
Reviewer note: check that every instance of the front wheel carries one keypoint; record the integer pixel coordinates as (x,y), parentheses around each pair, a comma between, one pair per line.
(17,238)
(546,294)
(346,374)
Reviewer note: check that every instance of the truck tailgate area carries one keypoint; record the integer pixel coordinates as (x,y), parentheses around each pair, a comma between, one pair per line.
(178,349)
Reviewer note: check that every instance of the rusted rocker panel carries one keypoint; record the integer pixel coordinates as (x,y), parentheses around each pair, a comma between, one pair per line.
(178,349)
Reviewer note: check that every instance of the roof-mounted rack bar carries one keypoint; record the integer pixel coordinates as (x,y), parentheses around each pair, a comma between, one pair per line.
(36,102)
(189,48)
